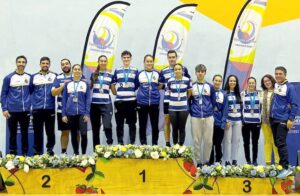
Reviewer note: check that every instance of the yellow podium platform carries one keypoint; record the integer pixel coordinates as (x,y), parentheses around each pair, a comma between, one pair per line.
(138,176)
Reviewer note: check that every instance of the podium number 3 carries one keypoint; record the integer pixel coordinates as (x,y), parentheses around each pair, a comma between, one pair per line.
(143,174)
(247,184)
(46,180)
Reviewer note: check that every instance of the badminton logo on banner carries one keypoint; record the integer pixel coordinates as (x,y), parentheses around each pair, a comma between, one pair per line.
(173,34)
(243,43)
(102,36)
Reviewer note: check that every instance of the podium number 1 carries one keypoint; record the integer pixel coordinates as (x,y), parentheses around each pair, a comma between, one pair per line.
(143,174)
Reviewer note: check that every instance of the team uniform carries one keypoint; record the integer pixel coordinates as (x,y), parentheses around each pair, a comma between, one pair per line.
(43,110)
(178,107)
(251,123)
(232,136)
(125,102)
(148,98)
(220,116)
(76,105)
(202,109)
(284,107)
(101,107)
(15,98)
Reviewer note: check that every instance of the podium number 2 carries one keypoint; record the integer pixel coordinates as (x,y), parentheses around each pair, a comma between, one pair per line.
(247,184)
(143,174)
(47,180)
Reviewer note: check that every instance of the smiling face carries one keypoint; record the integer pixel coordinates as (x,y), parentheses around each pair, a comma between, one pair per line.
(232,83)
(65,66)
(178,71)
(148,63)
(126,59)
(21,64)
(268,83)
(172,58)
(279,76)
(217,82)
(77,71)
(102,63)
(251,84)
(45,65)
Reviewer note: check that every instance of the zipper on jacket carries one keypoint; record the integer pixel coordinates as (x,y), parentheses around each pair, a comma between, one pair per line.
(23,98)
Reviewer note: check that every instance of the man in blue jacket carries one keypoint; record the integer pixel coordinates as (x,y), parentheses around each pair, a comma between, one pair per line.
(15,103)
(43,107)
(283,111)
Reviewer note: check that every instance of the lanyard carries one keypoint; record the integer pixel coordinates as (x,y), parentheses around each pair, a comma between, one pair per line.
(217,95)
(126,74)
(101,79)
(149,79)
(252,99)
(171,72)
(233,97)
(200,93)
(178,87)
(75,88)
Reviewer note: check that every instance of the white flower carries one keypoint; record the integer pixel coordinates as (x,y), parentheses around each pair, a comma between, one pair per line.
(92,161)
(9,165)
(84,163)
(181,149)
(107,154)
(0,161)
(26,168)
(154,155)
(138,153)
(177,146)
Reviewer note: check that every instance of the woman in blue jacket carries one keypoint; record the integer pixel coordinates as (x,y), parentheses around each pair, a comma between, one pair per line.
(76,108)
(148,98)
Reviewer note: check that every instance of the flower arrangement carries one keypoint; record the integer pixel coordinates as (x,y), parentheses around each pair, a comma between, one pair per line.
(246,170)
(144,152)
(11,162)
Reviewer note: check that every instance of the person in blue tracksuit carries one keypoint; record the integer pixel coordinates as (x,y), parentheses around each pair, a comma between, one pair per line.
(284,108)
(251,119)
(43,107)
(76,108)
(101,106)
(233,129)
(148,97)
(124,87)
(57,90)
(203,102)
(165,75)
(220,116)
(180,90)
(15,103)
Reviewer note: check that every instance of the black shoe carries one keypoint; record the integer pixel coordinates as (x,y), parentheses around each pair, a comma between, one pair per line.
(227,163)
(50,152)
(234,162)
(168,144)
(249,162)
(121,143)
(254,163)
(199,165)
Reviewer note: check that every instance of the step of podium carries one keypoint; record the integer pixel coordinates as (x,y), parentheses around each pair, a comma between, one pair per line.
(136,176)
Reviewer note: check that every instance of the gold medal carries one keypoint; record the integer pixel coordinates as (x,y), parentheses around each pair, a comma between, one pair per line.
(234,110)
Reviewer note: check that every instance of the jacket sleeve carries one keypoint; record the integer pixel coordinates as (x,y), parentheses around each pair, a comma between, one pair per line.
(224,111)
(293,102)
(213,96)
(4,93)
(136,81)
(87,100)
(186,73)
(64,101)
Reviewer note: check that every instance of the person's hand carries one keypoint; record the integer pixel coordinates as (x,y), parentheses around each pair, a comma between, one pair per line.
(6,114)
(227,125)
(289,124)
(85,119)
(65,119)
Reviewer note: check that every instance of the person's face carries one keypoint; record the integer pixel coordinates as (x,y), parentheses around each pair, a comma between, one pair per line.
(268,83)
(65,66)
(45,64)
(178,70)
(172,58)
(148,63)
(21,64)
(232,83)
(251,84)
(102,63)
(217,82)
(279,76)
(200,74)
(77,71)
(126,59)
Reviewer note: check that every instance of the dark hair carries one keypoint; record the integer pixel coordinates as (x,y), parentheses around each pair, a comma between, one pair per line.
(75,66)
(21,57)
(148,55)
(237,92)
(270,78)
(172,51)
(45,58)
(96,72)
(281,68)
(65,60)
(179,65)
(200,67)
(126,52)
(253,79)
(217,75)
